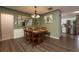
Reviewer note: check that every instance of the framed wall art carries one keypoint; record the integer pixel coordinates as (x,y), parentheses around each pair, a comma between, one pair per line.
(48,18)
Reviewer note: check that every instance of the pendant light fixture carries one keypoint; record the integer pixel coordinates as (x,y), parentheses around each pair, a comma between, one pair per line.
(35,15)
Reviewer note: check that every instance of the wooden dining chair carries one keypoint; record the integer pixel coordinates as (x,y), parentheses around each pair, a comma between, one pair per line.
(35,39)
(29,34)
(38,28)
(46,33)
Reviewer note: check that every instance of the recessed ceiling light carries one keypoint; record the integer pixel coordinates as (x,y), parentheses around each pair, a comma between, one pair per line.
(76,12)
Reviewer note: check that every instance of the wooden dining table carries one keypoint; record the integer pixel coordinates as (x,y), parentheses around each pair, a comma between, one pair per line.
(38,35)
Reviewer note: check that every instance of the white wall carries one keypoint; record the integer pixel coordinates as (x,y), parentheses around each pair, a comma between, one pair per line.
(18,33)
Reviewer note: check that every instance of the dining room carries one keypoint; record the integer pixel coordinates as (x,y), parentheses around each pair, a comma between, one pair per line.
(33,29)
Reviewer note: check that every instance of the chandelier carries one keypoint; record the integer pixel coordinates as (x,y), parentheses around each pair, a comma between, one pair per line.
(35,15)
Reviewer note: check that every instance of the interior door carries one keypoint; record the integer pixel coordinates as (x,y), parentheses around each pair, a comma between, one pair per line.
(7,26)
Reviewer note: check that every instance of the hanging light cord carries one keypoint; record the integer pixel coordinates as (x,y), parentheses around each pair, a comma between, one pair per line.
(35,11)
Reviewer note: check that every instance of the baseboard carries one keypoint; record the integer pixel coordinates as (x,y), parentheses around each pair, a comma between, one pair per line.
(18,37)
(6,39)
(54,37)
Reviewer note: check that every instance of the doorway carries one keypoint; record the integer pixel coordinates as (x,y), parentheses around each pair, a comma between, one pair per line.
(7,26)
(68,26)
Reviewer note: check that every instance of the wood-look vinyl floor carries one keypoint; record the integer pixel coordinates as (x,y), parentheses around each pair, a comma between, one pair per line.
(65,44)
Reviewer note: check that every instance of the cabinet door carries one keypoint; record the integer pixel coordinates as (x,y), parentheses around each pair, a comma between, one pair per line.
(7,26)
(0,27)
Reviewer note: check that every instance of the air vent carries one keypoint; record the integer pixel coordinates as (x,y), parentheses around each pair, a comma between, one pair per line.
(50,8)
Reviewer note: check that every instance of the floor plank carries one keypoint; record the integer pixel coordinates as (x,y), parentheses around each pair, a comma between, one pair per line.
(65,44)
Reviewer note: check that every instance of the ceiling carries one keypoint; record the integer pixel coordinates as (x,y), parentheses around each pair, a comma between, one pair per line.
(30,9)
(66,10)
